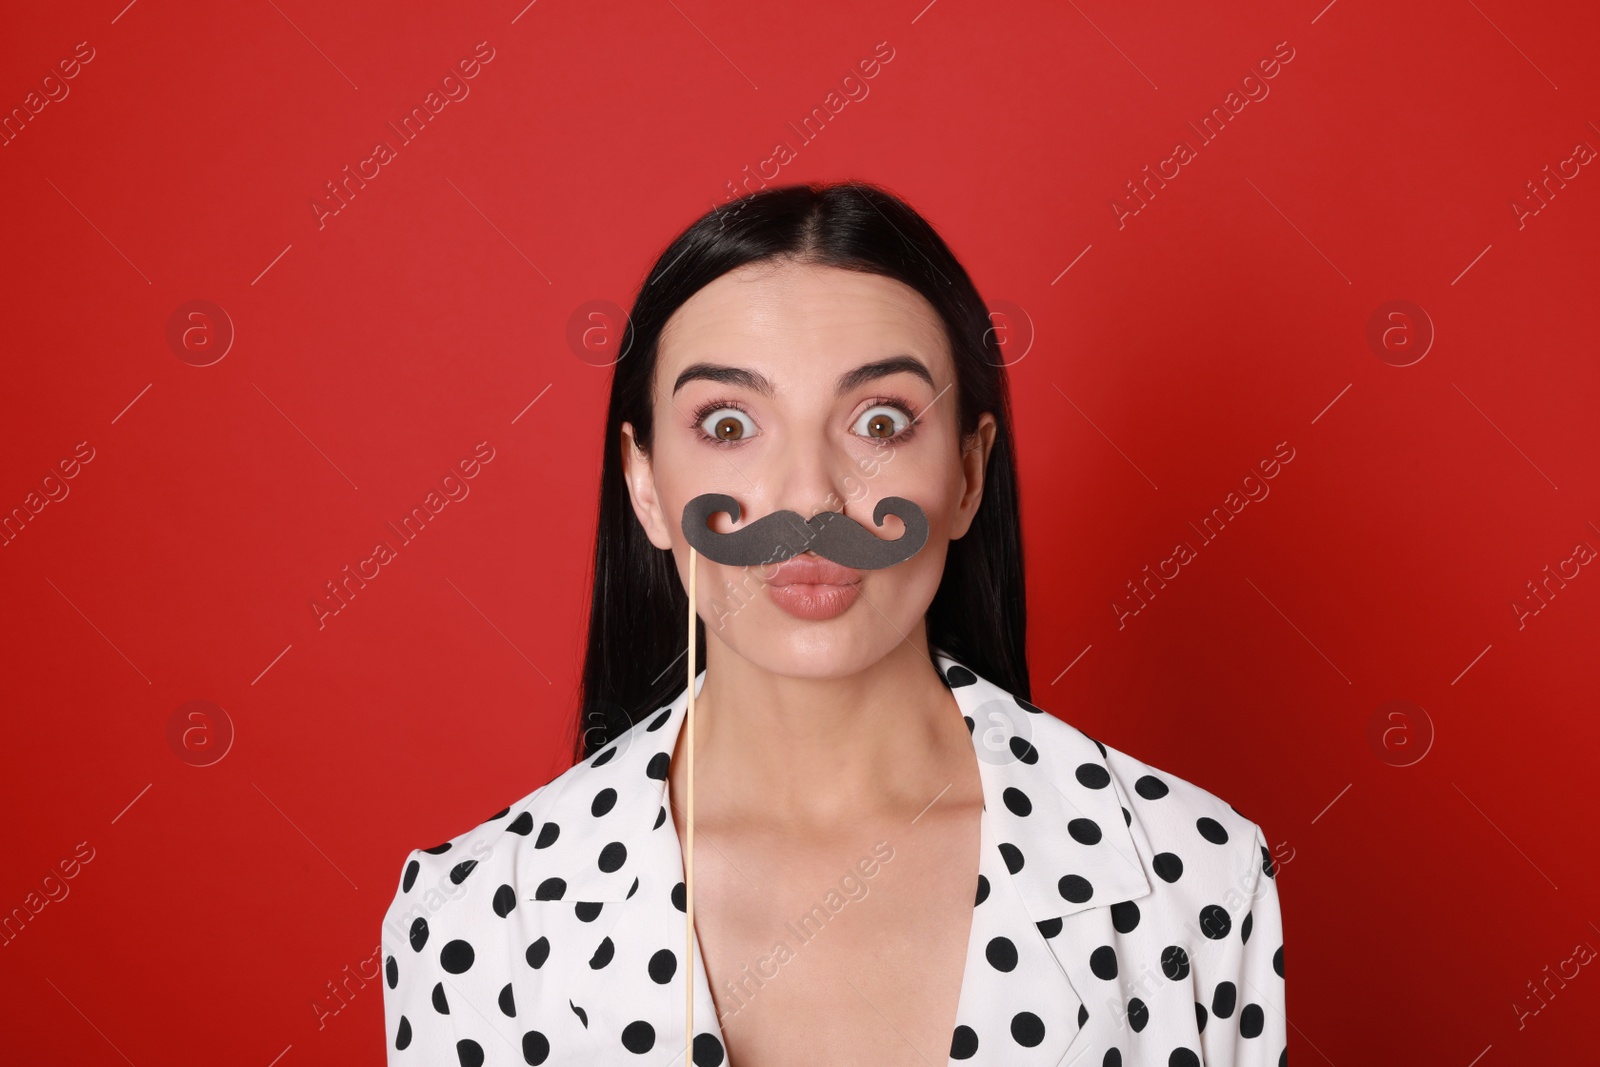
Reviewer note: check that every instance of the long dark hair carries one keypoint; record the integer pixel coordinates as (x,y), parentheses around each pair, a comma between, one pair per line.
(635,661)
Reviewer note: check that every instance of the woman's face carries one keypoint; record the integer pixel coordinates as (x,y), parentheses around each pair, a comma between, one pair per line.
(797,387)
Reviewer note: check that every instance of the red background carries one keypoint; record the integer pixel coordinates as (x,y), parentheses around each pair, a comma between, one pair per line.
(374,352)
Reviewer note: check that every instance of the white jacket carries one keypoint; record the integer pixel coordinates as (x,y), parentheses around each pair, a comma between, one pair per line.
(1123,916)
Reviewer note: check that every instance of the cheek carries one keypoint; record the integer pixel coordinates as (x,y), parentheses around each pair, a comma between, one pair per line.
(936,500)
(906,590)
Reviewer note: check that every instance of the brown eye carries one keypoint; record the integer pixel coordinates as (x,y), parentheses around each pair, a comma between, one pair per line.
(727,425)
(879,423)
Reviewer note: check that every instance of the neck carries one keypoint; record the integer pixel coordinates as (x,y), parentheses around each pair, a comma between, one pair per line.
(798,754)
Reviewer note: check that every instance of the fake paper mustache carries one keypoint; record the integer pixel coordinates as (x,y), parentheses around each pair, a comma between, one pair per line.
(781,535)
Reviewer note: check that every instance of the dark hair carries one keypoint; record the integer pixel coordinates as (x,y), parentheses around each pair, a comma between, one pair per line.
(635,663)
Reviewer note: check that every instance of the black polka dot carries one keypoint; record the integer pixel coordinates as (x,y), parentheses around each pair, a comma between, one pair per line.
(657,768)
(538,952)
(1211,830)
(1084,831)
(971,726)
(1175,962)
(402,1034)
(958,676)
(1125,916)
(663,965)
(547,835)
(459,872)
(505,901)
(1150,787)
(983,891)
(1251,1021)
(550,889)
(605,757)
(1001,954)
(661,817)
(438,850)
(1025,706)
(613,856)
(638,1037)
(535,1047)
(1169,868)
(1223,1000)
(419,934)
(963,1043)
(508,1002)
(1244,927)
(456,957)
(602,954)
(1112,1058)
(410,878)
(1023,749)
(1138,1014)
(469,1052)
(1267,867)
(1027,1029)
(587,911)
(1199,1017)
(1083,1015)
(1075,887)
(583,1016)
(440,1003)
(603,802)
(1093,775)
(1012,855)
(708,1051)
(521,825)
(1277,962)
(1214,921)
(391,972)
(1182,1057)
(1103,962)
(680,898)
(1049,927)
(1016,801)
(659,721)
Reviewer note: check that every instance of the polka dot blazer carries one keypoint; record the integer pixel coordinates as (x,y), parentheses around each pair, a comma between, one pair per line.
(1122,916)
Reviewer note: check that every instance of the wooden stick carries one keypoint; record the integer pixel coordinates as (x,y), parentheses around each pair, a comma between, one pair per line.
(688,857)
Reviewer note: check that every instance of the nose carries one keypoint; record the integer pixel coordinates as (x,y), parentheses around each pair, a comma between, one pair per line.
(816,474)
(813,475)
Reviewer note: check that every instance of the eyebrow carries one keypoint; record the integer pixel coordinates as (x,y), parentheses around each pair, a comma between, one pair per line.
(756,381)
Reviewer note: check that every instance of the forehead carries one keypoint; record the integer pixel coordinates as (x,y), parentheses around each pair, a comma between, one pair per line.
(783,309)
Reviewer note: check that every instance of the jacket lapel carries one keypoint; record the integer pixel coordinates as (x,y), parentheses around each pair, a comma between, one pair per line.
(1048,791)
(614,856)
(1055,843)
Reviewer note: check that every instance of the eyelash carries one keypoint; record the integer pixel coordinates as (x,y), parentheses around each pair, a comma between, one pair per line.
(914,420)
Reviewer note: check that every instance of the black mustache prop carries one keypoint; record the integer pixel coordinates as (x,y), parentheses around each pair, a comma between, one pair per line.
(781,535)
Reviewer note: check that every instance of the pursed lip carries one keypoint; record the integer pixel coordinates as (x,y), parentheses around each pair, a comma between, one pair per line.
(812,569)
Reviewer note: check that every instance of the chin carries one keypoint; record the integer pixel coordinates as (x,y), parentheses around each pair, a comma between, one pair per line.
(782,645)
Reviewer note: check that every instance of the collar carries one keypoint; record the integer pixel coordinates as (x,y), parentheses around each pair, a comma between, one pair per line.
(1055,811)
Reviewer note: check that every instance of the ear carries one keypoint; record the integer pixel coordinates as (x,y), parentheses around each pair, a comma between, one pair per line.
(975,449)
(639,476)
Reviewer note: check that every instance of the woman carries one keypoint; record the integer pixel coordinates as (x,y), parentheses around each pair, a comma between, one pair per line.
(899,859)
